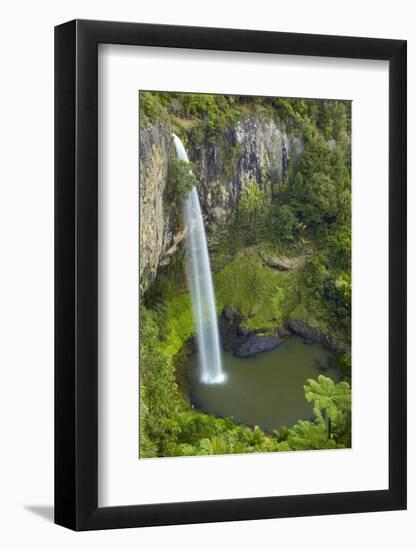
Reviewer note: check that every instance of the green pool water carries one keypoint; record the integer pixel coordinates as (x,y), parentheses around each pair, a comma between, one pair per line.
(266,390)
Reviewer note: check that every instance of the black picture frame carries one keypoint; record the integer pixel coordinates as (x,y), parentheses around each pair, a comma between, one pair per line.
(76,272)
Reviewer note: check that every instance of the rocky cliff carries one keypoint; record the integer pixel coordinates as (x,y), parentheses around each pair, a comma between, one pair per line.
(255,148)
(159,229)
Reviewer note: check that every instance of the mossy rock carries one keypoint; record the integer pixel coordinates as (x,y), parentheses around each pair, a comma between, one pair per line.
(264,297)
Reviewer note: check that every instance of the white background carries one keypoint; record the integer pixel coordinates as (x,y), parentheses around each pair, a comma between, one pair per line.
(123,479)
(26,401)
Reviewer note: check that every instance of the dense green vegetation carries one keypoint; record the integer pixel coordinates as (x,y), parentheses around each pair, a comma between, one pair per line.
(183,178)
(194,115)
(307,218)
(168,427)
(264,296)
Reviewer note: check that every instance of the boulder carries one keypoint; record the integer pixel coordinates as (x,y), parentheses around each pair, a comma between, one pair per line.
(243,331)
(258,344)
(305,331)
(230,313)
(242,341)
(283,332)
(282,263)
(232,334)
(312,334)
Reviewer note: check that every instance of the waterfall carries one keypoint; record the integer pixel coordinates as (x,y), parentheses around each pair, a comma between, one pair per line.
(200,283)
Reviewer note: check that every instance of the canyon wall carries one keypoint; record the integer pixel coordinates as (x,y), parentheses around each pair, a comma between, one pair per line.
(255,148)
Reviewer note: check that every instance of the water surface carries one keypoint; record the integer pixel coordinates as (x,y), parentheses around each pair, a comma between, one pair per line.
(266,390)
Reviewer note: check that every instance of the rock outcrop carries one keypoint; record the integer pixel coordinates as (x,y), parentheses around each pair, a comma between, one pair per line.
(258,343)
(244,342)
(232,334)
(282,263)
(159,230)
(256,148)
(312,334)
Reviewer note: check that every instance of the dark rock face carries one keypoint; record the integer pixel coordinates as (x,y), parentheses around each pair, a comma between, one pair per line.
(283,332)
(256,148)
(307,332)
(313,334)
(243,331)
(159,231)
(232,334)
(243,341)
(190,345)
(258,344)
(230,313)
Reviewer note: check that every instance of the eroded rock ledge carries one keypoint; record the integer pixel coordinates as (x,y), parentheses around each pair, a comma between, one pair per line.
(243,342)
(283,263)
(312,334)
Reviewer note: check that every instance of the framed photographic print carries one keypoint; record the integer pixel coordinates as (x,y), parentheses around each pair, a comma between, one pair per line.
(230,275)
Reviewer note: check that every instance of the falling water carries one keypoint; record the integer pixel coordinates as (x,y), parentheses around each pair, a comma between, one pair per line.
(201,285)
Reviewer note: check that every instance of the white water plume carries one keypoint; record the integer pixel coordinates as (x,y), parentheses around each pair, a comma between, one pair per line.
(201,285)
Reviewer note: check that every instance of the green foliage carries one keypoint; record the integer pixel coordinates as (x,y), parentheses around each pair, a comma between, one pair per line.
(204,114)
(315,190)
(330,400)
(338,245)
(344,362)
(169,428)
(329,290)
(293,111)
(334,118)
(191,433)
(306,435)
(179,324)
(172,311)
(264,296)
(201,434)
(151,108)
(209,114)
(183,178)
(319,196)
(332,406)
(285,224)
(160,399)
(332,409)
(253,214)
(216,111)
(306,215)
(311,209)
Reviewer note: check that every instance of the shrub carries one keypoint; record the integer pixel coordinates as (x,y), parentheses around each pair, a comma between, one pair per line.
(284,223)
(183,178)
(253,214)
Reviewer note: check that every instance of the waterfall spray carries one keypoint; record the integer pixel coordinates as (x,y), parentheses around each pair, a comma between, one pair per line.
(200,284)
